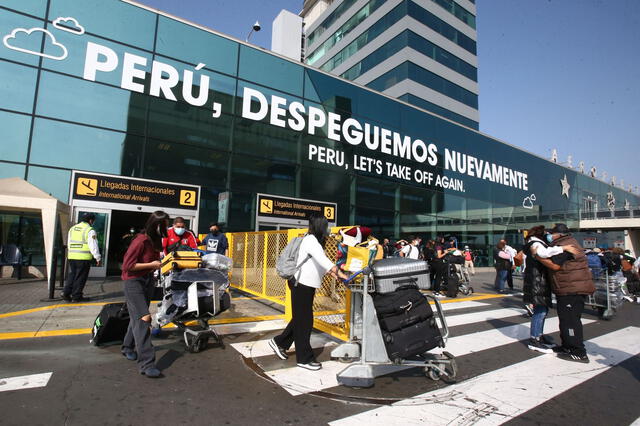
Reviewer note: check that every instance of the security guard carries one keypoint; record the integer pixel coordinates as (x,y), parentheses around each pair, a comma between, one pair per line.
(83,248)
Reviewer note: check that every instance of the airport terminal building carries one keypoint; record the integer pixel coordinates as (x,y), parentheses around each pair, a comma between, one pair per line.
(115,108)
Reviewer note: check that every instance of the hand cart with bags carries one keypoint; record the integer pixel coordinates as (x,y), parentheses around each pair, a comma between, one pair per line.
(392,325)
(194,291)
(609,294)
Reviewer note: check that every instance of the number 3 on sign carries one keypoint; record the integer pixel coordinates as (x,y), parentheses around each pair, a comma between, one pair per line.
(187,198)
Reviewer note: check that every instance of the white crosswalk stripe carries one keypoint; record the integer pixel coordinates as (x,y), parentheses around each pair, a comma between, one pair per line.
(499,396)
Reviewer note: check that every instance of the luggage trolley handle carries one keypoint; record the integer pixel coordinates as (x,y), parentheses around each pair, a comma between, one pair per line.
(445,328)
(365,271)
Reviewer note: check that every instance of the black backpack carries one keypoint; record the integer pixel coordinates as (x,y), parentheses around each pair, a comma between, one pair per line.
(110,326)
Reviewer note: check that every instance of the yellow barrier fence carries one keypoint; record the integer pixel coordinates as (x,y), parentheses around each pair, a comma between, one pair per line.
(254,257)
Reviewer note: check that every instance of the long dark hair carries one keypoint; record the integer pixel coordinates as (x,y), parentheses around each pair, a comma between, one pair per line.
(319,228)
(156,228)
(536,231)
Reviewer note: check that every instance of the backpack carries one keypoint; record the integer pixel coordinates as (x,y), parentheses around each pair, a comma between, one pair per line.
(286,266)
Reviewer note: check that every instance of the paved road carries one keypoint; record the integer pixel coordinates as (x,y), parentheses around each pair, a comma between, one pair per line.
(499,379)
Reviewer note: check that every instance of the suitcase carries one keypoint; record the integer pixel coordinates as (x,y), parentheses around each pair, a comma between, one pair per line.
(415,313)
(394,272)
(413,340)
(110,326)
(453,281)
(398,301)
(180,260)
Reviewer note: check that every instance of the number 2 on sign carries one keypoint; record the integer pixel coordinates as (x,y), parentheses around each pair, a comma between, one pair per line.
(187,198)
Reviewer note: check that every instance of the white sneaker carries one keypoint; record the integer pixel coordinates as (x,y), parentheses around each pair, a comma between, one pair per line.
(278,350)
(313,365)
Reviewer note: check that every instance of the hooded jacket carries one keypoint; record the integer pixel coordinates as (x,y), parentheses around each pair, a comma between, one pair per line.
(574,277)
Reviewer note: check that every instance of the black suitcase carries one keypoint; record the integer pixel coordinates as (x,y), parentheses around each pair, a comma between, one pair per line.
(418,311)
(110,325)
(397,301)
(453,281)
(413,340)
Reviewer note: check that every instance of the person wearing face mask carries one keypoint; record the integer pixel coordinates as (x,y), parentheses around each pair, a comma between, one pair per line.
(179,237)
(216,241)
(138,265)
(571,282)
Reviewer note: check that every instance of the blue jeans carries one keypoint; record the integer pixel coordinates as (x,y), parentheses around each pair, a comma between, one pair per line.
(537,320)
(501,279)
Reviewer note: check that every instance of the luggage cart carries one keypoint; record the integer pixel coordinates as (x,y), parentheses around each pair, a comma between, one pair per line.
(608,297)
(366,349)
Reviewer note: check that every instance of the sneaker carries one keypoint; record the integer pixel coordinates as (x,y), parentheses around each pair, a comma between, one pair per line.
(152,373)
(131,356)
(536,345)
(560,349)
(438,294)
(313,365)
(65,298)
(81,299)
(568,356)
(280,353)
(548,341)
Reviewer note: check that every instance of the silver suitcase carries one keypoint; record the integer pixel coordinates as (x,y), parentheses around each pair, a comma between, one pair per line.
(393,272)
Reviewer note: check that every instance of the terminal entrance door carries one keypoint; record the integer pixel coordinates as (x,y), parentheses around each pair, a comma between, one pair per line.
(101,226)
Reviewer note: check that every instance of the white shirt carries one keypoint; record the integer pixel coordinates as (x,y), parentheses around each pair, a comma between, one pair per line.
(311,273)
(92,240)
(542,251)
(511,252)
(409,251)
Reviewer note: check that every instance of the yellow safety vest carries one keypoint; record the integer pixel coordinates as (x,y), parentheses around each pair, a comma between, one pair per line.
(79,242)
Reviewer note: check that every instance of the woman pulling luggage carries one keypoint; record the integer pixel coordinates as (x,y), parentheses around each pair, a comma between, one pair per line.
(303,287)
(140,260)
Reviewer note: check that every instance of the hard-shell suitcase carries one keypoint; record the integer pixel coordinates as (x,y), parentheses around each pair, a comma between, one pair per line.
(394,272)
(413,340)
(110,326)
(180,260)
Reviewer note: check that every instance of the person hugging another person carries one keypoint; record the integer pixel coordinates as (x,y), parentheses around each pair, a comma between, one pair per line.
(536,287)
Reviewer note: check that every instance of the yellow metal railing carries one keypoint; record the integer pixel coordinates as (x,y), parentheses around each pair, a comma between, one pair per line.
(254,257)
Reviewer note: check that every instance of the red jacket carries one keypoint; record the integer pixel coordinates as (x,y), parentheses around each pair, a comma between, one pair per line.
(186,239)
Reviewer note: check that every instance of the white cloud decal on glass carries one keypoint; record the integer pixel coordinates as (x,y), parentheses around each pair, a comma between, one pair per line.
(69,25)
(19,37)
(527,203)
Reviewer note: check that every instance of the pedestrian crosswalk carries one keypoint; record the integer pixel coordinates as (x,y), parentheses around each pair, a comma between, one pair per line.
(494,397)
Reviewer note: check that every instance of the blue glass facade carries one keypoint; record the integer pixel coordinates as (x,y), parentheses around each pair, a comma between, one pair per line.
(141,94)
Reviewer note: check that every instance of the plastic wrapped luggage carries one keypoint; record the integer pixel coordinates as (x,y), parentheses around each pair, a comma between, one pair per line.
(217,261)
(394,272)
(180,260)
(413,340)
(402,308)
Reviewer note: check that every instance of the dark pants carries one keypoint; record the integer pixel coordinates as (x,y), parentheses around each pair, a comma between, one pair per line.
(137,293)
(77,278)
(569,312)
(510,279)
(440,275)
(299,328)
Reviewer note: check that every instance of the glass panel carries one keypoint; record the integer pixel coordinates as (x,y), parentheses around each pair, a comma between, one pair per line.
(17,87)
(329,20)
(116,20)
(8,170)
(187,163)
(79,100)
(10,21)
(53,181)
(33,7)
(15,136)
(262,175)
(24,231)
(84,148)
(193,45)
(277,73)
